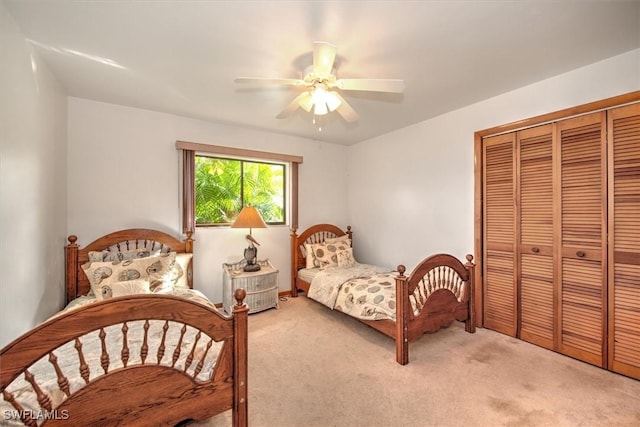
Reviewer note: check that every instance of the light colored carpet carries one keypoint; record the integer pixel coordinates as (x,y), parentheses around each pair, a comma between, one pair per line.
(310,366)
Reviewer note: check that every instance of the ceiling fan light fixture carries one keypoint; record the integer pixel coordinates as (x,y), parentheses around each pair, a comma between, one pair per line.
(322,101)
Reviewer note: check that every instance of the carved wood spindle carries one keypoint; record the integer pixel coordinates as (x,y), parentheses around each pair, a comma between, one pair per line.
(144,350)
(193,350)
(176,352)
(25,416)
(43,398)
(201,362)
(429,282)
(63,382)
(125,346)
(165,328)
(84,368)
(104,357)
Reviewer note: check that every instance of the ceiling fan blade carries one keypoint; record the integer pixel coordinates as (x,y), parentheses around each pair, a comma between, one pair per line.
(323,56)
(268,80)
(301,100)
(372,85)
(345,110)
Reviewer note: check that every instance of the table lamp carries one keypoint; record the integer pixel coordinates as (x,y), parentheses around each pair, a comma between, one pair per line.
(250,218)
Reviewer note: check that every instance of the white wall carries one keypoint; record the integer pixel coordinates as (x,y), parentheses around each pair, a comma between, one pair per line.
(411,192)
(124,173)
(33,188)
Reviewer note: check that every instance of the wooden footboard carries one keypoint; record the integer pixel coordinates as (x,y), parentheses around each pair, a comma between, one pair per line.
(196,369)
(438,291)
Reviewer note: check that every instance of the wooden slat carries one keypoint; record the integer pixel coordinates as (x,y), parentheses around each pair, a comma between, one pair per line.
(536,286)
(499,232)
(582,307)
(624,240)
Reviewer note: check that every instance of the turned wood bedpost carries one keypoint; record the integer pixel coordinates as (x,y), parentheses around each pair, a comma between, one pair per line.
(188,243)
(470,323)
(240,344)
(350,234)
(402,307)
(71,275)
(188,247)
(294,262)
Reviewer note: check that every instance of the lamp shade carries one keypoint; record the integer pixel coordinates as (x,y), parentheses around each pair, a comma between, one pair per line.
(249,217)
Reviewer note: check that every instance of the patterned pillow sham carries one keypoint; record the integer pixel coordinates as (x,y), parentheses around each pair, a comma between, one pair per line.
(341,239)
(106,255)
(128,287)
(155,269)
(326,255)
(178,274)
(345,258)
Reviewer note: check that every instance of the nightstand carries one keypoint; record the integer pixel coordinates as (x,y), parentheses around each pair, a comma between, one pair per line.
(261,286)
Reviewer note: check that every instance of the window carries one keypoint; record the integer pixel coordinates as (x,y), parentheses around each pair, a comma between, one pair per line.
(218,181)
(223,186)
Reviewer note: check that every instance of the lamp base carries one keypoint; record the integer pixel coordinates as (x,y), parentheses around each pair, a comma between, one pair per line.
(251,267)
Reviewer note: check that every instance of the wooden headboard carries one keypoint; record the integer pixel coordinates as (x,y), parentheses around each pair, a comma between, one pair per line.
(77,283)
(315,234)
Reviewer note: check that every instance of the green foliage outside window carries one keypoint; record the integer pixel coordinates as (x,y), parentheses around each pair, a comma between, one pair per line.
(224,186)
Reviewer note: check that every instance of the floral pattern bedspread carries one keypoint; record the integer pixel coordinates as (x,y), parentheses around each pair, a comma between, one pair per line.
(362,291)
(67,357)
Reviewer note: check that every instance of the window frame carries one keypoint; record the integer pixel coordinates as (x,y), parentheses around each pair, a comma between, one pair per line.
(243,161)
(189,150)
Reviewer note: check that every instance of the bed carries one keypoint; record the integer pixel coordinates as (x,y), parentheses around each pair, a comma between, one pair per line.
(402,306)
(153,352)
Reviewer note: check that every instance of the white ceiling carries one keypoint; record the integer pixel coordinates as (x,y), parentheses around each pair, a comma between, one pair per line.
(181,57)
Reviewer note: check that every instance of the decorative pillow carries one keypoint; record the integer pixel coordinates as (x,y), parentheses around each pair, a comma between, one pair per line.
(178,274)
(310,258)
(128,287)
(155,269)
(100,256)
(327,254)
(345,258)
(341,239)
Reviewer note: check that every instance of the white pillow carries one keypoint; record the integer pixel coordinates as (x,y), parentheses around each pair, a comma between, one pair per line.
(341,239)
(129,287)
(310,257)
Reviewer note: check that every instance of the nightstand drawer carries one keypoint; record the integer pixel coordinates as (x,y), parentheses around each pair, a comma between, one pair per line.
(261,286)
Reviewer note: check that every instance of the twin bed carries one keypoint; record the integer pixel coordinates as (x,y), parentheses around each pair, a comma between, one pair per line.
(438,291)
(136,344)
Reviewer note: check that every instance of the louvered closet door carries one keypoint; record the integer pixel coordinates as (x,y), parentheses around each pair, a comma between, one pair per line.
(499,234)
(582,253)
(536,236)
(624,240)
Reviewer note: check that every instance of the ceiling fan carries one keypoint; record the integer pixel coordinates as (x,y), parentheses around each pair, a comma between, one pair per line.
(321,86)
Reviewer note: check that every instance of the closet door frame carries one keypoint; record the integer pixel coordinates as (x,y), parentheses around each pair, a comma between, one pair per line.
(479,173)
